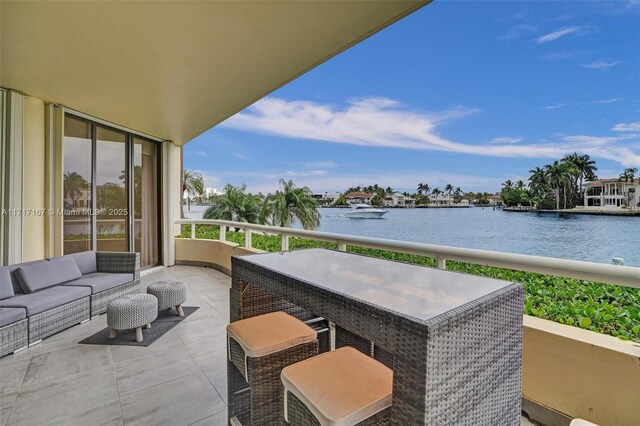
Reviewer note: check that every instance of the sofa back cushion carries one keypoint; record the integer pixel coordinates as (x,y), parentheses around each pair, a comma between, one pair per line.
(6,288)
(43,275)
(86,261)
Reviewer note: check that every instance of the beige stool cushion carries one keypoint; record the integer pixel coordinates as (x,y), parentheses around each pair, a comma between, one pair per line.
(270,333)
(342,387)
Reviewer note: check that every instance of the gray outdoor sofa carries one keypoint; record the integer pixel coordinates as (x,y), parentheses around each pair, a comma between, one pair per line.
(43,297)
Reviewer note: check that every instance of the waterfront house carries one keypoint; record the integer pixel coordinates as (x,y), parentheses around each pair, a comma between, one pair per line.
(612,194)
(398,199)
(446,200)
(357,197)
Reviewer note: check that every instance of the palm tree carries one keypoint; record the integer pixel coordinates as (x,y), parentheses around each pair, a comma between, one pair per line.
(289,204)
(507,184)
(629,175)
(558,177)
(423,188)
(448,189)
(193,185)
(235,205)
(520,184)
(538,181)
(389,190)
(583,168)
(73,185)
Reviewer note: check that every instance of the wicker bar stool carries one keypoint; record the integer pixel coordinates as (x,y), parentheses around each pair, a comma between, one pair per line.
(343,387)
(258,349)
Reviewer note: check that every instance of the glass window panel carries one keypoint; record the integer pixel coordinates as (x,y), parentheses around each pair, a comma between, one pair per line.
(77,185)
(145,201)
(111,189)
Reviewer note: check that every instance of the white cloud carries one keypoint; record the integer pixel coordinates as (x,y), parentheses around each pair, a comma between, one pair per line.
(627,127)
(307,173)
(240,156)
(506,140)
(517,32)
(596,102)
(201,154)
(565,54)
(320,164)
(385,123)
(558,34)
(601,65)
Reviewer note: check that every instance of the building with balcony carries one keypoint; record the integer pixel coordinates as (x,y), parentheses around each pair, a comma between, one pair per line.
(358,197)
(612,194)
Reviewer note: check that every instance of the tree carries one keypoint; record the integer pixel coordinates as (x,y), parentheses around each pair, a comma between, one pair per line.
(235,205)
(389,190)
(587,168)
(73,185)
(629,175)
(558,178)
(291,203)
(448,189)
(538,182)
(376,200)
(423,188)
(193,185)
(520,184)
(507,184)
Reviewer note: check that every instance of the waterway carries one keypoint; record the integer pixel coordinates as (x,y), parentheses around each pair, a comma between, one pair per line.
(578,237)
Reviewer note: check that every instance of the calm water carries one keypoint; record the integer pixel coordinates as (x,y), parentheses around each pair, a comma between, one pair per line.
(579,237)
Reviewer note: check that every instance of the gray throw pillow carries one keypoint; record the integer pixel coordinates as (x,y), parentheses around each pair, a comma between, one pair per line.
(43,275)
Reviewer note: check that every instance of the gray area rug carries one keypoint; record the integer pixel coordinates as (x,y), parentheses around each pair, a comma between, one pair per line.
(167,319)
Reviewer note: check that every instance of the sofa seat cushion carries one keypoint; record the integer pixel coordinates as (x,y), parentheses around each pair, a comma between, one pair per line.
(11,315)
(86,261)
(44,300)
(101,281)
(48,274)
(6,288)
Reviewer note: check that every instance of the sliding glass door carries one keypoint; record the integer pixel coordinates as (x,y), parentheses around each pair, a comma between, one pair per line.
(110,191)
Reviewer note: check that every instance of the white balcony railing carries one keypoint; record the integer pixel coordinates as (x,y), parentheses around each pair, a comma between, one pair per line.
(598,272)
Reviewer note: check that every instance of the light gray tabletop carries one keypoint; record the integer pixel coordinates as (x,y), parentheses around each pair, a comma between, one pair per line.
(410,290)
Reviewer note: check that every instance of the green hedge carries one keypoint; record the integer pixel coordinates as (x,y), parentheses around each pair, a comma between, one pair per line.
(608,309)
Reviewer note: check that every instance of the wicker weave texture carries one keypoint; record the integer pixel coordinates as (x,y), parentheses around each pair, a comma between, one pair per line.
(170,293)
(13,337)
(263,377)
(57,319)
(298,414)
(485,336)
(100,301)
(119,262)
(132,311)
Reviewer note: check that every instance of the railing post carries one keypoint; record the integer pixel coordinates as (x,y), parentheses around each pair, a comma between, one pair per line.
(441,263)
(284,245)
(342,246)
(247,238)
(193,231)
(223,233)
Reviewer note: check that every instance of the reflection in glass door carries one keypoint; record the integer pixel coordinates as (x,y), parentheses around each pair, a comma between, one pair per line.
(77,194)
(111,190)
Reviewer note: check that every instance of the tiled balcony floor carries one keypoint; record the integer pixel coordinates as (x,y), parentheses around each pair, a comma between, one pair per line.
(178,380)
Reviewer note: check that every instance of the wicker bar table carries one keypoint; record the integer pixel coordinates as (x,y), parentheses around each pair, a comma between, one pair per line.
(455,340)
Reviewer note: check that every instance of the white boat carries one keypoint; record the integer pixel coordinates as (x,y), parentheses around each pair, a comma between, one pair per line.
(365,211)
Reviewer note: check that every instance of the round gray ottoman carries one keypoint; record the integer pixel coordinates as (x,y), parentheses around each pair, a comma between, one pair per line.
(132,311)
(170,294)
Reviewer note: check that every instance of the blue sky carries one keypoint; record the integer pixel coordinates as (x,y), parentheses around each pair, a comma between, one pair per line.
(467,93)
